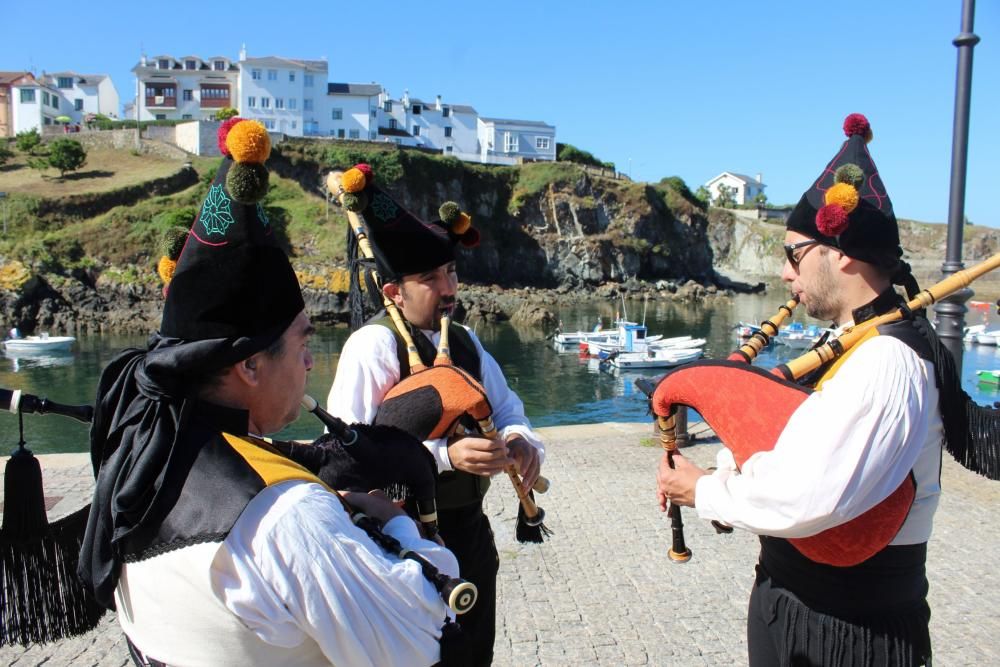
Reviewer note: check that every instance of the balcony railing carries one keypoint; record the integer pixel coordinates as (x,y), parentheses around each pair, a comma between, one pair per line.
(215,103)
(161,102)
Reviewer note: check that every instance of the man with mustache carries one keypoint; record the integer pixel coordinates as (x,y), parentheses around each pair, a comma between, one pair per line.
(416,261)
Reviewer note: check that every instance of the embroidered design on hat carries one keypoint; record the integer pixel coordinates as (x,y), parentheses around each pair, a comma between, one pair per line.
(216,216)
(384,207)
(264,220)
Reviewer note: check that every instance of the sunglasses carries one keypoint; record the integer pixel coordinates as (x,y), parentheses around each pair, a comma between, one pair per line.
(790,249)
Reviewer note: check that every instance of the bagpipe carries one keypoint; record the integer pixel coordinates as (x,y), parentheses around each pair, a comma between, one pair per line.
(433,401)
(751,414)
(42,598)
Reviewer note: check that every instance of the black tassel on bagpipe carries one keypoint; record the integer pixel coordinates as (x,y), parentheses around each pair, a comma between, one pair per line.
(41,597)
(531,530)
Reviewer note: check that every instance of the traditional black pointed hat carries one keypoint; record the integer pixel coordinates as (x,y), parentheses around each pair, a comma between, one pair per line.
(232,280)
(848,207)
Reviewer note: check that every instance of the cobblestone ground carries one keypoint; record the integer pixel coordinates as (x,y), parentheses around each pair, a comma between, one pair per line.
(601,591)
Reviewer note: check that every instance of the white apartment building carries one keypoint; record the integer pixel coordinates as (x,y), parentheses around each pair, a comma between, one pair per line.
(508,141)
(85,94)
(285,94)
(449,128)
(351,111)
(34,104)
(187,88)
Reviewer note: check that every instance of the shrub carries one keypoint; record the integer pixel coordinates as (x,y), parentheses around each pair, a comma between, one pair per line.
(570,153)
(225,113)
(5,155)
(28,141)
(67,155)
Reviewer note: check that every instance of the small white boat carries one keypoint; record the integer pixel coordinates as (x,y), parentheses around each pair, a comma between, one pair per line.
(799,337)
(987,338)
(653,358)
(564,338)
(972,331)
(42,343)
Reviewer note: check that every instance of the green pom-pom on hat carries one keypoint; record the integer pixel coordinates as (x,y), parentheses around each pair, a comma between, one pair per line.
(247,182)
(354,201)
(449,212)
(850,174)
(172,242)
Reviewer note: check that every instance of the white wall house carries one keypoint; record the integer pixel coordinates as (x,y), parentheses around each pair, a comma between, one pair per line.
(746,188)
(438,125)
(285,94)
(350,110)
(507,141)
(34,104)
(85,94)
(186,88)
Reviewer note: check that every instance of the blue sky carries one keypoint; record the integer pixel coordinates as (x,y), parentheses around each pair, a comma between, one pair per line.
(661,88)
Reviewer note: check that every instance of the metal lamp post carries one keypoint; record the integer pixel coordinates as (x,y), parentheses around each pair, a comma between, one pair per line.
(951,311)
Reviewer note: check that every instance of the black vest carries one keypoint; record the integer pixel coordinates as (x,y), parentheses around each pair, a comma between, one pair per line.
(455,488)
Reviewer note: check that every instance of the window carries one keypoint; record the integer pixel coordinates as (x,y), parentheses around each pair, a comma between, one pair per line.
(295,124)
(416,130)
(307,105)
(337,114)
(187,95)
(161,116)
(293,103)
(219,65)
(78,105)
(45,98)
(272,75)
(167,91)
(48,121)
(186,116)
(447,149)
(510,144)
(291,77)
(354,134)
(55,102)
(27,95)
(163,63)
(252,102)
(190,64)
(65,82)
(255,74)
(417,109)
(392,123)
(307,80)
(215,93)
(340,133)
(269,123)
(447,131)
(374,113)
(279,102)
(445,112)
(387,106)
(265,103)
(542,143)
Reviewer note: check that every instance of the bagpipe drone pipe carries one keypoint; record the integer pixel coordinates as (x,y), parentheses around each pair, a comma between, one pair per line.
(755,408)
(433,400)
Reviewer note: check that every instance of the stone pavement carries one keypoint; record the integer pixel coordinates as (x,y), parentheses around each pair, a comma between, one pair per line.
(601,590)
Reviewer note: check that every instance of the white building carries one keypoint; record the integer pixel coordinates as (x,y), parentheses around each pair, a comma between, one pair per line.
(187,88)
(34,104)
(286,95)
(746,188)
(508,141)
(85,94)
(350,111)
(449,128)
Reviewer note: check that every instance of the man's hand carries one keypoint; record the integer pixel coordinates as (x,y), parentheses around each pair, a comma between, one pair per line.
(676,484)
(479,456)
(374,504)
(528,463)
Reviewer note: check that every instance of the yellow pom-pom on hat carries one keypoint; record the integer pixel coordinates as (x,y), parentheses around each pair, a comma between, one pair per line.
(843,195)
(249,141)
(353,180)
(165,268)
(461,223)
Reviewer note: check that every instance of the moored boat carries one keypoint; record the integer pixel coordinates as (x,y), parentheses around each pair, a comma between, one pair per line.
(42,343)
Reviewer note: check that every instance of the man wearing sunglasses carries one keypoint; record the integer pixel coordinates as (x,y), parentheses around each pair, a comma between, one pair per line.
(871,426)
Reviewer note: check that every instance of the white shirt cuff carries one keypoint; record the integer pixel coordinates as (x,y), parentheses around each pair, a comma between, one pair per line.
(439,450)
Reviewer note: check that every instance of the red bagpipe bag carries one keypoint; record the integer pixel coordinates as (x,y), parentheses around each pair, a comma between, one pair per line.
(748,408)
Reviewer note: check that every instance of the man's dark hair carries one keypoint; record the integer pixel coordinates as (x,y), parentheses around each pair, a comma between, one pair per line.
(201,383)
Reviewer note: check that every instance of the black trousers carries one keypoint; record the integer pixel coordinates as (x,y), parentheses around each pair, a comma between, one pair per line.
(466,531)
(784,632)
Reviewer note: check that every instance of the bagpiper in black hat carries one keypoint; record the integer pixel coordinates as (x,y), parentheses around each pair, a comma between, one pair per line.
(402,243)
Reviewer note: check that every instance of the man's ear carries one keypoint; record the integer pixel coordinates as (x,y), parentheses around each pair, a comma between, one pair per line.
(391,290)
(246,371)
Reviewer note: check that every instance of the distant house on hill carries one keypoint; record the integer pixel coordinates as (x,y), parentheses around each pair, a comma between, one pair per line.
(28,102)
(85,94)
(746,188)
(507,141)
(186,88)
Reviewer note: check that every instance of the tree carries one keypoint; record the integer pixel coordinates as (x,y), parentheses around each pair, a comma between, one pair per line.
(67,155)
(703,195)
(726,197)
(760,200)
(225,113)
(28,141)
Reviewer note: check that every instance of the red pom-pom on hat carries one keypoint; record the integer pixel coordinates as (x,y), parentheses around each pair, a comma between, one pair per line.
(831,220)
(365,169)
(470,239)
(224,132)
(857,124)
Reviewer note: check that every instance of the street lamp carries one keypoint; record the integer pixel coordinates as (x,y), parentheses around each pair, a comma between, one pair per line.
(951,310)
